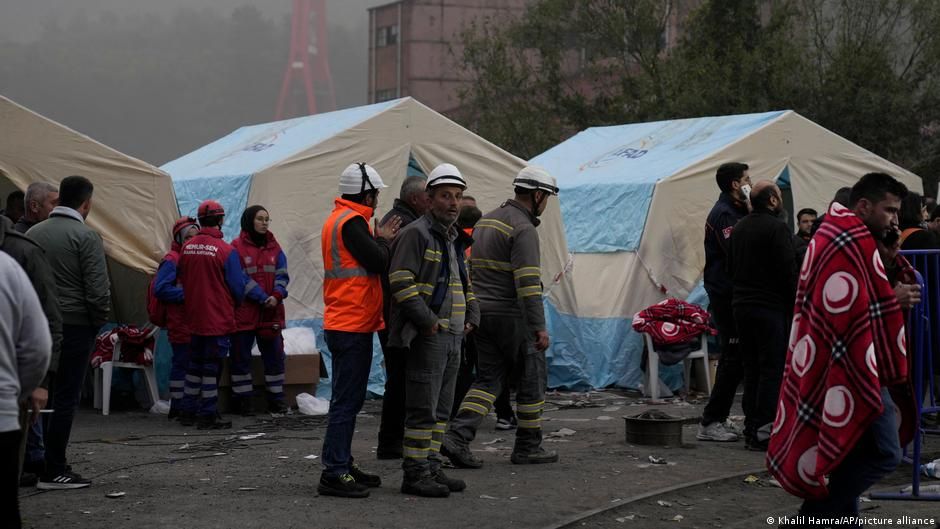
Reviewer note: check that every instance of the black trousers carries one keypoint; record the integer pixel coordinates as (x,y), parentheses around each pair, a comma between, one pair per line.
(10,478)
(77,344)
(730,369)
(392,425)
(764,335)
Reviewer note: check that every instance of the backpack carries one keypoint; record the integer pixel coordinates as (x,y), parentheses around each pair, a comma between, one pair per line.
(156,309)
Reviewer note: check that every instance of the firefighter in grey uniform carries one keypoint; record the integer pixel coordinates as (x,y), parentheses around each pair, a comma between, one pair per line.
(506,274)
(433,306)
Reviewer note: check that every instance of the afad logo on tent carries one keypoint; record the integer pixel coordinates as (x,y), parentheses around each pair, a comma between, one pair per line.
(630,151)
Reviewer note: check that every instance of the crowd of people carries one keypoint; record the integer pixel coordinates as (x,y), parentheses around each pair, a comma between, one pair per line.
(444,312)
(813,325)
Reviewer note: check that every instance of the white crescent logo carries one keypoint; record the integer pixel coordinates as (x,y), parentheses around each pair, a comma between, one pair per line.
(870,360)
(839,406)
(838,210)
(840,292)
(806,466)
(808,260)
(794,330)
(781,418)
(669,329)
(902,341)
(804,354)
(879,265)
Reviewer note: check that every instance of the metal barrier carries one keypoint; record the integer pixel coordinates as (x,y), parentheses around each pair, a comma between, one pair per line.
(923,330)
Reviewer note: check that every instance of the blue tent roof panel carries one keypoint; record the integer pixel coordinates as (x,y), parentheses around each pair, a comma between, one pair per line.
(607,174)
(251,149)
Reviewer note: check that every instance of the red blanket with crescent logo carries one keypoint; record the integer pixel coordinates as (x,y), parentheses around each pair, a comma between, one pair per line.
(672,321)
(846,342)
(137,345)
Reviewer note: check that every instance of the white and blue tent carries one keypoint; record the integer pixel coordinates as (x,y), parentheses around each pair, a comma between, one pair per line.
(292,168)
(634,199)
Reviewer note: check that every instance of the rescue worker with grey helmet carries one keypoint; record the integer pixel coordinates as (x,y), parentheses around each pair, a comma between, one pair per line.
(506,276)
(354,260)
(433,306)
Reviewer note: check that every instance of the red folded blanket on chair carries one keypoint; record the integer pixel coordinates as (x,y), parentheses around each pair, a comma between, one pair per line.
(672,321)
(136,345)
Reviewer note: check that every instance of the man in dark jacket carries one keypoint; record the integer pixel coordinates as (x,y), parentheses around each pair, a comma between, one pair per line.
(734,181)
(41,198)
(76,254)
(764,273)
(411,204)
(430,321)
(31,257)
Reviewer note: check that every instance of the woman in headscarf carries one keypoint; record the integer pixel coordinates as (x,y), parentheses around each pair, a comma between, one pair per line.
(266,264)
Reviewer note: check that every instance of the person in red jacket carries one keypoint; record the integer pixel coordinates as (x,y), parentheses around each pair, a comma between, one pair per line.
(265,263)
(213,281)
(167,289)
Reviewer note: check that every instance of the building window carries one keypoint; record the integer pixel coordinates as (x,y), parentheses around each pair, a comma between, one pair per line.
(384,95)
(386,36)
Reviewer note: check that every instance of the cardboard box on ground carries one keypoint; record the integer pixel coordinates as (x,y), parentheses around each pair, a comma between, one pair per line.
(301,370)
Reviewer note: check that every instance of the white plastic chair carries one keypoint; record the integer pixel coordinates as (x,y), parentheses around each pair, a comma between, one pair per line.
(652,365)
(104,372)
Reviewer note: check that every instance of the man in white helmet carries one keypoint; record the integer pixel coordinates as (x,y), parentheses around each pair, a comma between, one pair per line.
(433,307)
(506,274)
(354,260)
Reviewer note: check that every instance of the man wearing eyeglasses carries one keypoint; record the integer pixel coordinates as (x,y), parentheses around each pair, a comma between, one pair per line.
(354,259)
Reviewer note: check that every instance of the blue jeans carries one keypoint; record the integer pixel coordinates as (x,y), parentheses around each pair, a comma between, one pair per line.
(77,344)
(351,361)
(877,454)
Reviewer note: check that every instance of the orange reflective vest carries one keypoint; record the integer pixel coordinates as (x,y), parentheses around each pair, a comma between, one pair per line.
(469,232)
(353,296)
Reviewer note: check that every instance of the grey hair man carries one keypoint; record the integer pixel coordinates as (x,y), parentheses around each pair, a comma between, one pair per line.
(40,199)
(412,203)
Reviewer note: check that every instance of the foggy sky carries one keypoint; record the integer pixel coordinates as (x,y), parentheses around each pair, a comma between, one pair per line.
(155,114)
(20,20)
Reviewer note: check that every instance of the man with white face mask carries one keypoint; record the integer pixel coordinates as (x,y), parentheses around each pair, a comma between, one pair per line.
(734,180)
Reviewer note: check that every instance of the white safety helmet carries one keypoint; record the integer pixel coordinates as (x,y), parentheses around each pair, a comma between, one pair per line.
(359,178)
(446,175)
(535,177)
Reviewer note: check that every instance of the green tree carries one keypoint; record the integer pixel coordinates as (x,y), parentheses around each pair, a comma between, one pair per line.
(866,69)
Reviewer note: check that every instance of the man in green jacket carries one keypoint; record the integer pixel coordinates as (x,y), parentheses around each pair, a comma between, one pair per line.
(506,272)
(76,254)
(31,257)
(433,307)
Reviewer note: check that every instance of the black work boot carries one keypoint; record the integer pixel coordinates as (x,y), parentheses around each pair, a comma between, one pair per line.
(536,457)
(362,478)
(424,486)
(343,486)
(452,484)
(278,407)
(460,455)
(187,418)
(242,406)
(212,422)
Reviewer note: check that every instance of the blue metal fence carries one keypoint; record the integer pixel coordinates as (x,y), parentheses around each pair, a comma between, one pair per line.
(923,330)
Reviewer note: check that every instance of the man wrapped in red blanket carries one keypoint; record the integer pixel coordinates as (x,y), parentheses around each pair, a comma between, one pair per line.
(846,370)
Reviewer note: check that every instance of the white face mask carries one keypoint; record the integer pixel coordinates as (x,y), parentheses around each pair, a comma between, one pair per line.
(746,189)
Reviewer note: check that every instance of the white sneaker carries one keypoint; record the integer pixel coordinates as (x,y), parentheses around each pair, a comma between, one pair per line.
(716,431)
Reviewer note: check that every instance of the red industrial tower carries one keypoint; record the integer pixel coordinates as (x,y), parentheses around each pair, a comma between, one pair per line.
(307,45)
